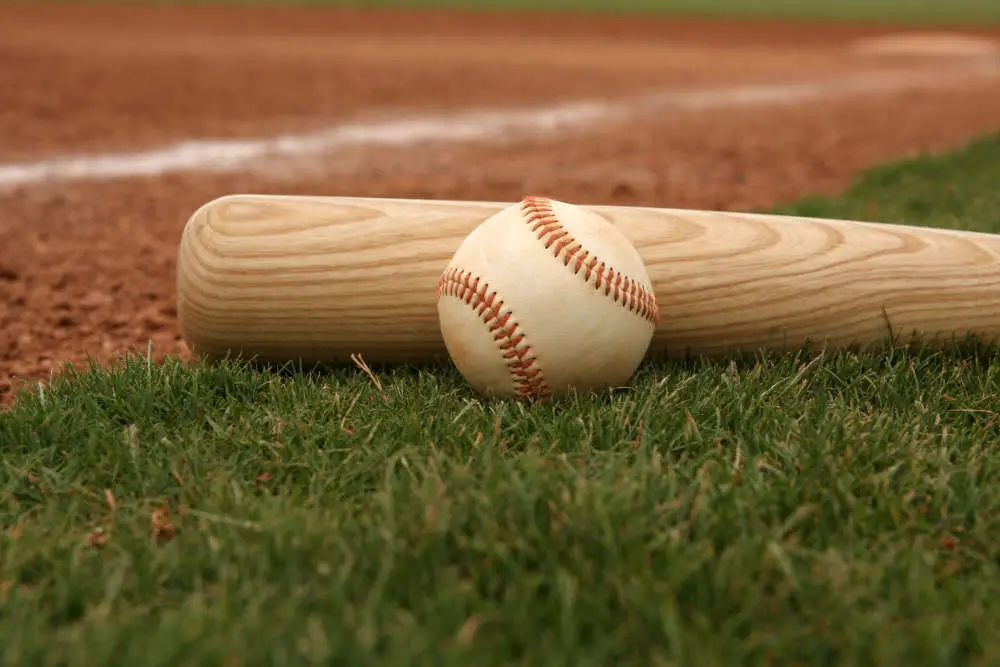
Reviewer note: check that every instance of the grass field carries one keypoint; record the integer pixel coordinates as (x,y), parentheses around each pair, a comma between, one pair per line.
(843,510)
(939,12)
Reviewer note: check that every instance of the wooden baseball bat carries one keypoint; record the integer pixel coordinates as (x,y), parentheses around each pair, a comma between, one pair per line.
(317,279)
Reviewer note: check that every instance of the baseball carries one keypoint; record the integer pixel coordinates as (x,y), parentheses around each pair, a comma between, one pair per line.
(545,297)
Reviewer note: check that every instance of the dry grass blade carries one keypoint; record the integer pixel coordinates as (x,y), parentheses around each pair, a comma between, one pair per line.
(162,527)
(360,363)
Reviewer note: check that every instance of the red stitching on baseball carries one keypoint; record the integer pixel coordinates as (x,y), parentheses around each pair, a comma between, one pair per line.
(525,373)
(623,290)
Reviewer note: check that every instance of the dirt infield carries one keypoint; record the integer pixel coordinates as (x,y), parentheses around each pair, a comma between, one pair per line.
(728,115)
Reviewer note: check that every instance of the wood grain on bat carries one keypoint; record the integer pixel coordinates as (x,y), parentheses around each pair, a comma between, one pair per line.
(321,278)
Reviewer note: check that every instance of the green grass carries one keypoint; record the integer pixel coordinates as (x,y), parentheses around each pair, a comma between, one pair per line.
(959,11)
(942,12)
(840,511)
(955,190)
(916,11)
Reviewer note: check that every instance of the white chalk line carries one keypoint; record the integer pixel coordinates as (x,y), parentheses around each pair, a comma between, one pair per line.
(471,126)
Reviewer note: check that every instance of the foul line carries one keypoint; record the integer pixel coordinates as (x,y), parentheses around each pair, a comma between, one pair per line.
(227,155)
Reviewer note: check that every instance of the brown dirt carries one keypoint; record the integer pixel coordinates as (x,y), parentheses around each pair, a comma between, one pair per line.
(86,268)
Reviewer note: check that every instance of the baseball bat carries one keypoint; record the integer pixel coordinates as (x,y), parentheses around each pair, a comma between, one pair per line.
(319,279)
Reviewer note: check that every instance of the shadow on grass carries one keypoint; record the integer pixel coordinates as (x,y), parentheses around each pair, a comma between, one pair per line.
(226,375)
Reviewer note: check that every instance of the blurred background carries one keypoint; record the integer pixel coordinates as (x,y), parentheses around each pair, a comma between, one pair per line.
(117,120)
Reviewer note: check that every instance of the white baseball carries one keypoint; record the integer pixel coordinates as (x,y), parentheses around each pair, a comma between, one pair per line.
(544,297)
